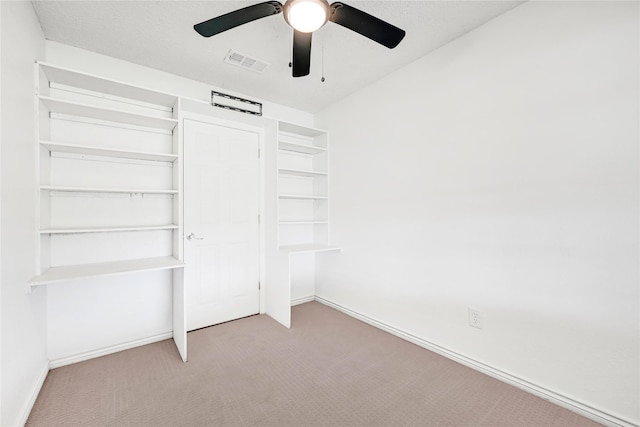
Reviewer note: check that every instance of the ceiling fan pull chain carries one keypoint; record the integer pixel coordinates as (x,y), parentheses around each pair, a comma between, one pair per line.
(290,48)
(322,58)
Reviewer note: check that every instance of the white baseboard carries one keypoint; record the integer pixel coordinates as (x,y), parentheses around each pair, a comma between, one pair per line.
(35,391)
(302,300)
(56,363)
(551,396)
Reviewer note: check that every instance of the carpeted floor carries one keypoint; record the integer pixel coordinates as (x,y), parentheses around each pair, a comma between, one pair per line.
(328,370)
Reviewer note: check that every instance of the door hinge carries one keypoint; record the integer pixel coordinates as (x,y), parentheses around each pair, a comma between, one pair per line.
(258,218)
(258,152)
(258,285)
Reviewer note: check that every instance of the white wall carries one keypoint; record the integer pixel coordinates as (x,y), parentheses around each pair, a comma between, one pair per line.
(87,317)
(501,173)
(23,360)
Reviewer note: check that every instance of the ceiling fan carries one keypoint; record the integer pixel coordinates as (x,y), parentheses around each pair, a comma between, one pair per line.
(306,16)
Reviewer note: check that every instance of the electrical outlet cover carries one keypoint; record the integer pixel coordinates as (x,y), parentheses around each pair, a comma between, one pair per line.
(475,318)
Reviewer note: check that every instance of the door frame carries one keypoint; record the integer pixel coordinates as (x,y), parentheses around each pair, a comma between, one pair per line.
(258,128)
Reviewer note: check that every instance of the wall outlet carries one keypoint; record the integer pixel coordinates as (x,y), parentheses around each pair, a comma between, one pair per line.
(475,318)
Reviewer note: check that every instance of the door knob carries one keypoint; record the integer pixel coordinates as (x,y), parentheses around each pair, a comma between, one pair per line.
(192,236)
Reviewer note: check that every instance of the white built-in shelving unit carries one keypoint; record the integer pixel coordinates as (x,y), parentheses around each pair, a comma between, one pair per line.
(110,199)
(303,189)
(110,180)
(98,138)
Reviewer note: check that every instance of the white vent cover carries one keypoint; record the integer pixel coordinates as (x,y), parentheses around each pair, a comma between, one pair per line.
(245,61)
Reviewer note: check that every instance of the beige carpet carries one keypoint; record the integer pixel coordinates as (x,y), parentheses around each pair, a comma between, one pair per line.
(328,370)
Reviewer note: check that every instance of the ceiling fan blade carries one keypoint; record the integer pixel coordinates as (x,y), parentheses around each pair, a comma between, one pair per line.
(301,53)
(369,26)
(237,17)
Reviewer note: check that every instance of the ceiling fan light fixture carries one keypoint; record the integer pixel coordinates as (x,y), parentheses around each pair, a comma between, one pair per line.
(306,16)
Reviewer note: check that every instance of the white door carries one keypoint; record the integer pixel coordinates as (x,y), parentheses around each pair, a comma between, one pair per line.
(221,207)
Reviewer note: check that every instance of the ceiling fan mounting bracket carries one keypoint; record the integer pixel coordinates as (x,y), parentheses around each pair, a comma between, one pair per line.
(277,7)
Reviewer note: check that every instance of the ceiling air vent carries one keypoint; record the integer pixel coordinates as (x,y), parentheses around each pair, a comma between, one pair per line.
(245,61)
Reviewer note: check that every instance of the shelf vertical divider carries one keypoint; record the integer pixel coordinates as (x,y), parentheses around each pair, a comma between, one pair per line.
(179,318)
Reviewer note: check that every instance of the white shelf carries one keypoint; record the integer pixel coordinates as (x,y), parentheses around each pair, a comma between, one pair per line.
(305,131)
(107,152)
(310,222)
(301,148)
(82,80)
(108,114)
(298,172)
(301,197)
(303,249)
(107,229)
(83,271)
(105,190)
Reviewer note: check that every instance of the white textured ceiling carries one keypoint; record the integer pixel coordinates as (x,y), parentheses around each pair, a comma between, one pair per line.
(159,34)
